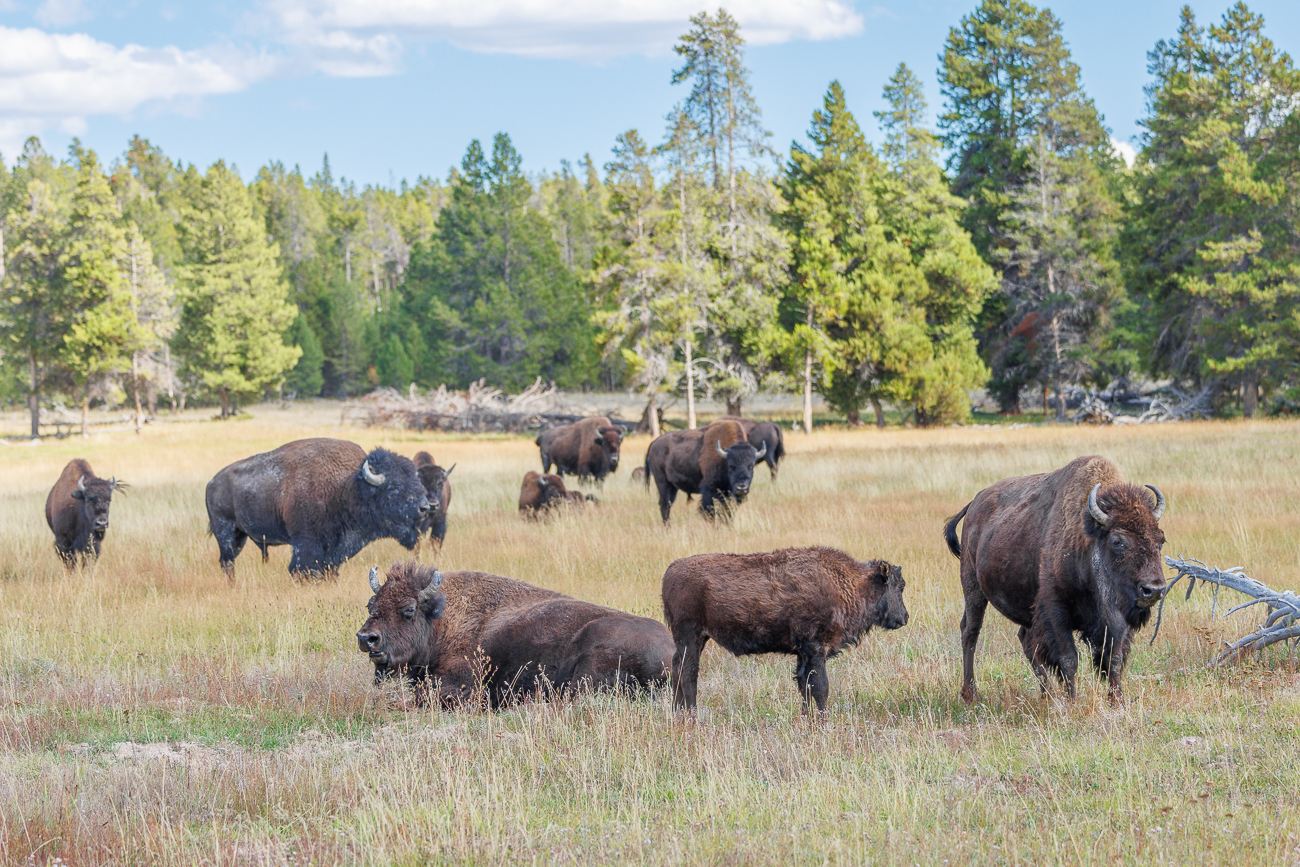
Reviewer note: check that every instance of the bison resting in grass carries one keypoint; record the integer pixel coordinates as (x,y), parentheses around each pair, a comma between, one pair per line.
(437,487)
(327,498)
(763,435)
(811,602)
(716,462)
(77,511)
(587,448)
(451,633)
(1075,550)
(540,494)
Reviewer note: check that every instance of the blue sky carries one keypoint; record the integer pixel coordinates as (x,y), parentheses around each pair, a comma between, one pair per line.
(394,89)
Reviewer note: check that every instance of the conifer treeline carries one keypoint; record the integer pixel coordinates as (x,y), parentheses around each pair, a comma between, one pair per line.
(708,264)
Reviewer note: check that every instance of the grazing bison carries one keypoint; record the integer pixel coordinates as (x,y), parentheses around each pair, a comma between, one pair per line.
(763,434)
(716,462)
(812,602)
(1075,550)
(588,448)
(456,631)
(327,498)
(77,511)
(437,487)
(542,493)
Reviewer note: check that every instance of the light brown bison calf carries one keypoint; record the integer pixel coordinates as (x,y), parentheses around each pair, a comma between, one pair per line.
(540,494)
(811,602)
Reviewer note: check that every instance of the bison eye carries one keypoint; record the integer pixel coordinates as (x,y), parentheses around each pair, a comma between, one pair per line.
(409,612)
(1117,543)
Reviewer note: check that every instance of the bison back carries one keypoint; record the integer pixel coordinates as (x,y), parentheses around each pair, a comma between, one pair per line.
(618,650)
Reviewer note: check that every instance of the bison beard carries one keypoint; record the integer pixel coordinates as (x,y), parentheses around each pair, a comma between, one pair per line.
(77,511)
(716,462)
(811,602)
(462,636)
(1075,550)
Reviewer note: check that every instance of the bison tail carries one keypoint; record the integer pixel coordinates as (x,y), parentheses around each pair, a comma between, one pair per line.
(950,531)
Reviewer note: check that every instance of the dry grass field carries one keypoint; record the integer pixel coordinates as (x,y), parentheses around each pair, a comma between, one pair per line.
(151,713)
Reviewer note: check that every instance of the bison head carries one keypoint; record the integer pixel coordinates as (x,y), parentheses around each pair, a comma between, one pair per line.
(740,458)
(401,630)
(609,440)
(887,589)
(96,495)
(433,477)
(391,490)
(1126,547)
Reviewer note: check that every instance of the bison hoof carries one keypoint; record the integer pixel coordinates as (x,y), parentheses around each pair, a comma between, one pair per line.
(968,694)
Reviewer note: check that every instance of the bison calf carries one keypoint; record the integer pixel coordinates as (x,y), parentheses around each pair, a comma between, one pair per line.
(437,487)
(540,494)
(457,632)
(77,511)
(811,602)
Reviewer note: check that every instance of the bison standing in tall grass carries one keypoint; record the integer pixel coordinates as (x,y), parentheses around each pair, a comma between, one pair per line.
(811,602)
(77,511)
(459,632)
(437,487)
(1075,550)
(588,448)
(716,462)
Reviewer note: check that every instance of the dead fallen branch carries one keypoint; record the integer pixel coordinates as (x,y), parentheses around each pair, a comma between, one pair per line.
(1281,624)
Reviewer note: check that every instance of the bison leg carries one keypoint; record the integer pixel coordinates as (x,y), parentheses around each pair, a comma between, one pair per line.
(667,494)
(67,555)
(1109,656)
(1049,645)
(686,667)
(971,623)
(230,541)
(439,531)
(810,675)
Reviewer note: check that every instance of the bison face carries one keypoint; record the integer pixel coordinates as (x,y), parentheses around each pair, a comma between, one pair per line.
(610,439)
(890,612)
(401,630)
(95,495)
(433,477)
(741,457)
(391,490)
(1127,543)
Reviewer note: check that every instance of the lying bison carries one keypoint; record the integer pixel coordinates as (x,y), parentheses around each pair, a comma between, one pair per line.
(437,487)
(327,498)
(716,462)
(540,494)
(452,633)
(1075,550)
(77,511)
(587,448)
(763,435)
(812,602)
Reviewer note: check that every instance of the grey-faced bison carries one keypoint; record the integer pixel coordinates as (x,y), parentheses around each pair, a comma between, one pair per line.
(327,498)
(450,633)
(588,448)
(763,435)
(540,494)
(77,511)
(811,602)
(1075,550)
(716,462)
(437,487)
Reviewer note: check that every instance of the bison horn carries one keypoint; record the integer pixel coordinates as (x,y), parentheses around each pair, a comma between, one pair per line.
(721,450)
(1097,514)
(371,477)
(432,589)
(541,482)
(1159,510)
(112,483)
(81,483)
(761,453)
(448,473)
(374,578)
(600,438)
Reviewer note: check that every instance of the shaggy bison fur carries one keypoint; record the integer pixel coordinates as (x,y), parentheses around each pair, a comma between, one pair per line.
(716,462)
(811,602)
(540,494)
(77,511)
(763,434)
(437,487)
(588,448)
(452,633)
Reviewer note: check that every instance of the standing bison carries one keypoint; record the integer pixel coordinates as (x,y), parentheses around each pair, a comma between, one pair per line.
(540,494)
(587,448)
(763,435)
(327,498)
(437,487)
(811,602)
(77,511)
(456,632)
(1075,550)
(716,462)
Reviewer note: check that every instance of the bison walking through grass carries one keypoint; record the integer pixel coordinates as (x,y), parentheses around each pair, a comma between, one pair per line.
(811,602)
(716,462)
(588,448)
(437,487)
(77,511)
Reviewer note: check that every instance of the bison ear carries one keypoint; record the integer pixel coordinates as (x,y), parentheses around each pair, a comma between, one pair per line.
(78,495)
(882,571)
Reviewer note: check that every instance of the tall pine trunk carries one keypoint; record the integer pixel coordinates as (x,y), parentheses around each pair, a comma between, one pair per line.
(135,387)
(1250,395)
(34,396)
(880,412)
(85,408)
(690,389)
(225,403)
(734,404)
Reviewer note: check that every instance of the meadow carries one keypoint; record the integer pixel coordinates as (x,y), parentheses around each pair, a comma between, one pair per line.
(153,713)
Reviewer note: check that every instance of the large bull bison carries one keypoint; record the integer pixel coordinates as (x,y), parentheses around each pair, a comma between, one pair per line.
(327,498)
(437,487)
(763,435)
(455,632)
(716,462)
(540,494)
(811,602)
(588,448)
(77,511)
(1075,550)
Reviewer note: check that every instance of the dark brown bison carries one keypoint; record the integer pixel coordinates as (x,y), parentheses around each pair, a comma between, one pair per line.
(1075,550)
(540,494)
(327,498)
(716,462)
(456,631)
(763,434)
(812,602)
(437,487)
(587,448)
(77,511)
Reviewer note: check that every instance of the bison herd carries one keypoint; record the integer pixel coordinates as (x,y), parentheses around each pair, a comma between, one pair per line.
(1074,551)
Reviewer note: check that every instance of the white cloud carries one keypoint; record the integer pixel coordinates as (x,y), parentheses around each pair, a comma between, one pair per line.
(61,13)
(585,29)
(57,80)
(1124,151)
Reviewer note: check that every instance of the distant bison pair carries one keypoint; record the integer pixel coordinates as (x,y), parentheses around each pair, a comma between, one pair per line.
(453,634)
(716,462)
(588,448)
(542,494)
(77,511)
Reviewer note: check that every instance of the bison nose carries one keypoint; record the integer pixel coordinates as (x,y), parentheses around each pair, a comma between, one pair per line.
(424,506)
(368,641)
(101,522)
(613,462)
(1151,592)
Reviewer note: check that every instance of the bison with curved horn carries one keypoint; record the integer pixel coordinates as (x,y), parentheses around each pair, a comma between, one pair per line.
(77,511)
(716,462)
(587,448)
(437,487)
(764,436)
(1075,550)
